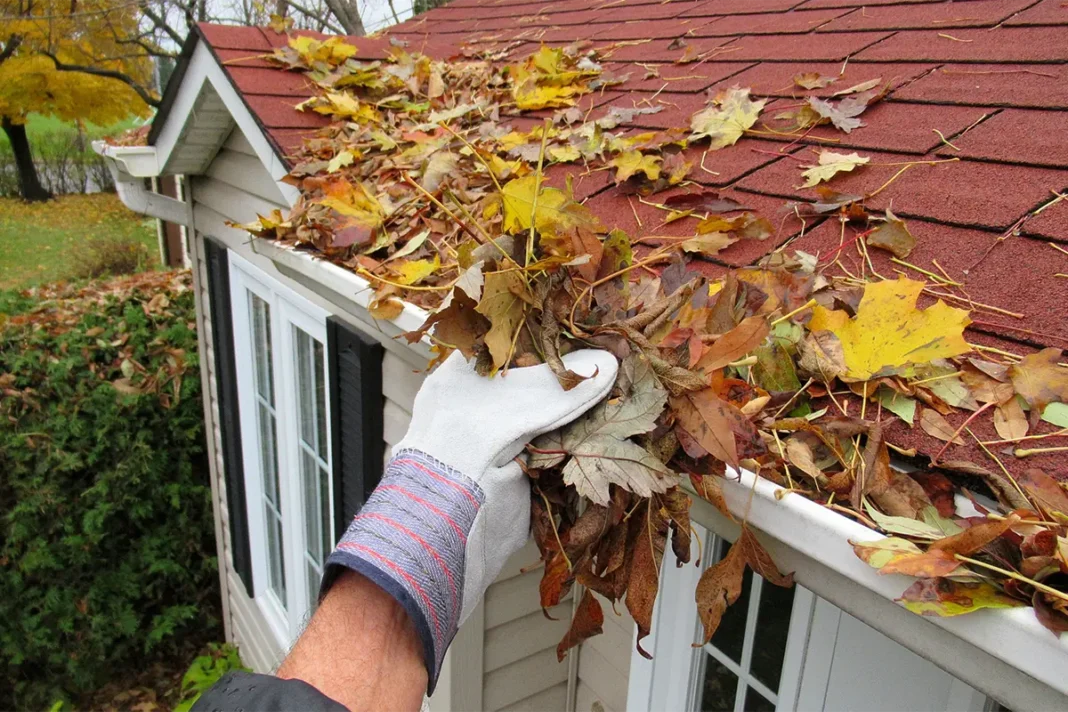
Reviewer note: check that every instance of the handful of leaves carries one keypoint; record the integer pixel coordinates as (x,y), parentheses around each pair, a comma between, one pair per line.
(417,187)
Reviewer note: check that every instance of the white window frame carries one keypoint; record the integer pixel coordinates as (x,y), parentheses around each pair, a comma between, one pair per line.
(287,310)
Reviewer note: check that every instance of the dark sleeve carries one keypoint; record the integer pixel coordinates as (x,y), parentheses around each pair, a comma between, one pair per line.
(249,692)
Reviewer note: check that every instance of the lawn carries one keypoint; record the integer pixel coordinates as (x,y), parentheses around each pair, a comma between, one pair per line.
(42,242)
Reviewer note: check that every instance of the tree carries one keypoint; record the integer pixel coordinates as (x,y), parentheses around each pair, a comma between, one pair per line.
(65,59)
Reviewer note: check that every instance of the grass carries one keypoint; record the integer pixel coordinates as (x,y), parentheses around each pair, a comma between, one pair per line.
(38,126)
(42,242)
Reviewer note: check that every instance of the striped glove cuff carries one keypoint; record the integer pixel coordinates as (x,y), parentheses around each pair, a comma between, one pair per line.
(410,538)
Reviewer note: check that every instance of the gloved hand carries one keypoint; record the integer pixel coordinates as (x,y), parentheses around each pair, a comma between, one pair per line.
(453,504)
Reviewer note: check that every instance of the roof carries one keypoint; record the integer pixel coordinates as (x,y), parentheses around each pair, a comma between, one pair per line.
(984,82)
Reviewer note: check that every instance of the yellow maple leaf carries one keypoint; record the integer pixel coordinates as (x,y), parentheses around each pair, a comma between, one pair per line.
(830,165)
(556,212)
(354,202)
(732,113)
(415,271)
(548,78)
(889,332)
(344,106)
(633,162)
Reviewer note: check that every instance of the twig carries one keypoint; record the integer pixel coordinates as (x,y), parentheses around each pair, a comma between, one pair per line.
(807,305)
(537,189)
(956,434)
(552,522)
(1063,432)
(1027,452)
(1013,575)
(932,275)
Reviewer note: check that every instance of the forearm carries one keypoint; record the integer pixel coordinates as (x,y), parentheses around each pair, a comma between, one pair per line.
(360,649)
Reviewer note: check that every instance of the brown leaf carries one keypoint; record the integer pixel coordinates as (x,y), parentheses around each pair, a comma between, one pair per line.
(676,504)
(711,490)
(822,356)
(984,387)
(1046,492)
(1040,543)
(760,560)
(707,201)
(936,426)
(1040,381)
(975,537)
(555,581)
(644,580)
(814,80)
(1051,619)
(930,564)
(706,418)
(735,344)
(586,242)
(587,529)
(893,236)
(719,587)
(1009,420)
(874,475)
(458,325)
(587,622)
(903,498)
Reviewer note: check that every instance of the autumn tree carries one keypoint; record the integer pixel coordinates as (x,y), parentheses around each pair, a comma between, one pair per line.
(66,59)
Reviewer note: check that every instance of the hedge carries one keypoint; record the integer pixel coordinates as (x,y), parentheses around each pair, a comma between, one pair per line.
(107,555)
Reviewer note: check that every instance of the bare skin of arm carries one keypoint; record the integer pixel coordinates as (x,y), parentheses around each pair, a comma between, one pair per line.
(361,650)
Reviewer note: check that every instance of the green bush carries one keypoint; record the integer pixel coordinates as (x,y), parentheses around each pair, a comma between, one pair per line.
(106,536)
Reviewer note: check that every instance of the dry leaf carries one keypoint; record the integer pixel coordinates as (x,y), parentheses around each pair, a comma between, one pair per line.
(935,425)
(735,344)
(889,332)
(830,165)
(585,624)
(731,114)
(893,236)
(1040,381)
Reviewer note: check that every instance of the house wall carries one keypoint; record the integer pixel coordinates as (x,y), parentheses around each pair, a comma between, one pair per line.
(509,635)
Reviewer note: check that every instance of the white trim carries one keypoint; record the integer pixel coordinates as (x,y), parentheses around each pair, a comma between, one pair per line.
(203,70)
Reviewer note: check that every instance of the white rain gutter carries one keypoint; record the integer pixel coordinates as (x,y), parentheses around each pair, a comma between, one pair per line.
(1016,652)
(130,166)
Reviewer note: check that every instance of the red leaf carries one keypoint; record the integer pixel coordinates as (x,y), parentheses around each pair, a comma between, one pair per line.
(588,622)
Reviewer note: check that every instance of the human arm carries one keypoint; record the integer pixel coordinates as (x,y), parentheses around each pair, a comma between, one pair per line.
(453,505)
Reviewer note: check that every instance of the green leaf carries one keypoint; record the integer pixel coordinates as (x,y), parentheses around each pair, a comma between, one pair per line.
(1056,414)
(900,405)
(903,525)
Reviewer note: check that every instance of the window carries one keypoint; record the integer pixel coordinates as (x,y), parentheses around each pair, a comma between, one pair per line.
(743,666)
(285,428)
(778,649)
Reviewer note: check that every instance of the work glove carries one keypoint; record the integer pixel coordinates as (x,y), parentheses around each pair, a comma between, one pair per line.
(453,504)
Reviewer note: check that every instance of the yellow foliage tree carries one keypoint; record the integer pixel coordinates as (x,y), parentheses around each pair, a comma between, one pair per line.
(72,60)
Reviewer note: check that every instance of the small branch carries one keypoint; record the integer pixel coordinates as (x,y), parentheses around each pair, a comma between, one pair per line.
(12,44)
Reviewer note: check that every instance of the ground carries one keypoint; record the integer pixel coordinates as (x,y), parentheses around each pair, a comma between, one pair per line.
(42,242)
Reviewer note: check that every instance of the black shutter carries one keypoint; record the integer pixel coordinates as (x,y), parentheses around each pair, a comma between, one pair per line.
(222,329)
(355,365)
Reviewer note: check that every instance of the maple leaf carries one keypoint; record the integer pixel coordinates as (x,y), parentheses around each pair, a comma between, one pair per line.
(830,165)
(440,165)
(813,80)
(893,236)
(556,212)
(730,116)
(844,115)
(504,298)
(362,212)
(946,597)
(415,271)
(708,244)
(889,333)
(632,162)
(601,453)
(705,201)
(1040,381)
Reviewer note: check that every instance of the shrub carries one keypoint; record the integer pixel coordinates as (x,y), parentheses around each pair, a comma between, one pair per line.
(106,535)
(65,160)
(111,256)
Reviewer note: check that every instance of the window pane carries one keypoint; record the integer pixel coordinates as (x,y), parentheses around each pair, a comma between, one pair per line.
(320,404)
(327,515)
(720,687)
(305,387)
(309,475)
(755,702)
(773,625)
(730,635)
(313,578)
(268,454)
(275,561)
(261,344)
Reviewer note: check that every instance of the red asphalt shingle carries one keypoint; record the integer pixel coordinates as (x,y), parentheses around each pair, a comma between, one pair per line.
(1018,136)
(1033,86)
(948,64)
(940,16)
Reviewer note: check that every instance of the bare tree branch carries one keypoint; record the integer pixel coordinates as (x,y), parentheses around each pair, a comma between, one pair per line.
(348,16)
(160,24)
(318,16)
(109,73)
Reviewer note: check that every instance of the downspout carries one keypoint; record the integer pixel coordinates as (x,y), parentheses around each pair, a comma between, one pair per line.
(130,166)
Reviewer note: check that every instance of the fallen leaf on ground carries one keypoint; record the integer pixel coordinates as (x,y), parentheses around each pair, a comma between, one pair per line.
(731,114)
(935,425)
(830,165)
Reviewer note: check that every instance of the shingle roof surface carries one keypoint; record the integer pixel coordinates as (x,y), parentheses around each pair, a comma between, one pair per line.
(989,76)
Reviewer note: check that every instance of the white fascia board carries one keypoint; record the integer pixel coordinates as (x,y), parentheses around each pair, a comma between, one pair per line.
(204,68)
(129,167)
(1013,636)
